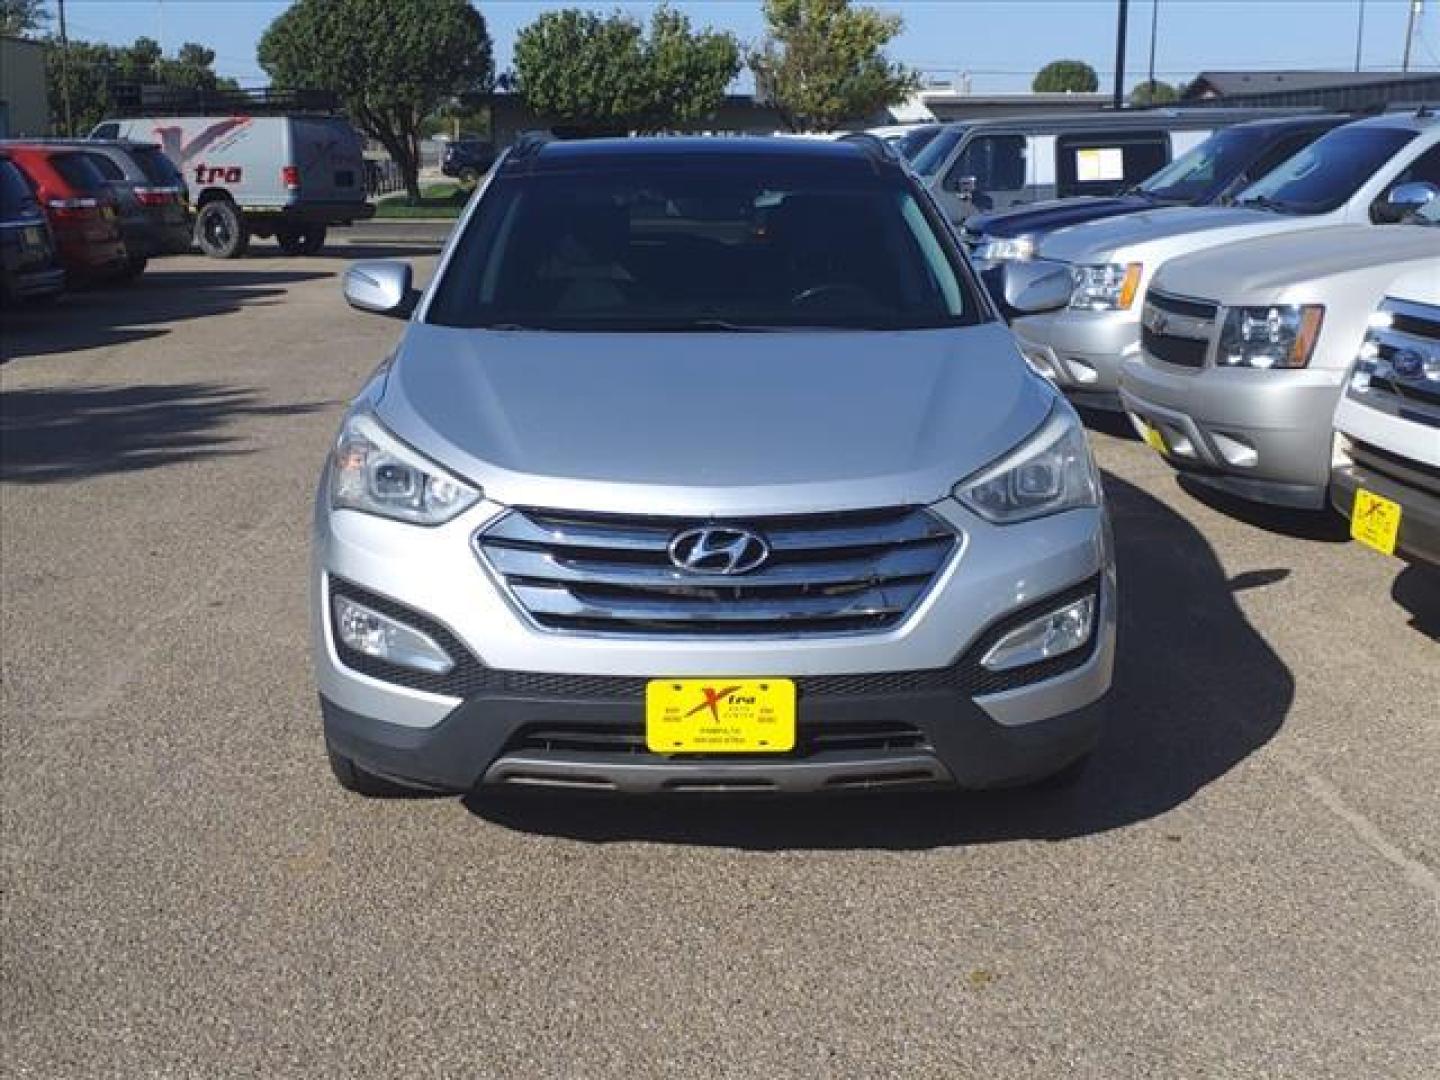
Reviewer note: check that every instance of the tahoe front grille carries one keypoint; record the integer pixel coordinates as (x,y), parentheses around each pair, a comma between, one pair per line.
(1177,330)
(824,573)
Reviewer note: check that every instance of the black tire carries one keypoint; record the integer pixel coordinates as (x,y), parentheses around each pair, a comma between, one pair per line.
(312,239)
(133,269)
(220,230)
(353,778)
(290,240)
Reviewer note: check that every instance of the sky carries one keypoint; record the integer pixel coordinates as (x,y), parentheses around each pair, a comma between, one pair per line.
(1000,43)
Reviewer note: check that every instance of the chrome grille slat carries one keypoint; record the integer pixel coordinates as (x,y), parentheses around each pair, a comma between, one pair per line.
(610,574)
(542,566)
(554,600)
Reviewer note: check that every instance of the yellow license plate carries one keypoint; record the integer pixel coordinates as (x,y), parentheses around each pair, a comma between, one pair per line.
(1375,521)
(1153,438)
(720,716)
(107,212)
(34,237)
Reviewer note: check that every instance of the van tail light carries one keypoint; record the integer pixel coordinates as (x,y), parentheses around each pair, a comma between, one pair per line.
(74,209)
(157,196)
(290,177)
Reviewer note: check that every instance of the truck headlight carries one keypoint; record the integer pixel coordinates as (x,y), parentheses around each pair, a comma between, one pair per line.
(1106,286)
(1276,336)
(1055,633)
(374,472)
(1006,249)
(1049,472)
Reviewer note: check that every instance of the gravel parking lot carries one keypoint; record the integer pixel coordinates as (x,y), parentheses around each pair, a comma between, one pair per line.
(1246,883)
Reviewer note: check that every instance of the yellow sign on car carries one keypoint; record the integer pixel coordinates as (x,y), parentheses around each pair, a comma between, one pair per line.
(720,716)
(1153,438)
(1375,521)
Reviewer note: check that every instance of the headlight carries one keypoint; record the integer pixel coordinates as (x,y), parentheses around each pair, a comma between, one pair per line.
(1007,249)
(1053,634)
(1278,336)
(1049,472)
(1106,287)
(372,471)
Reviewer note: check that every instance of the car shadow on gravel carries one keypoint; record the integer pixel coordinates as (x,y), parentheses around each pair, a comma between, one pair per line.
(1197,690)
(104,317)
(1417,590)
(69,433)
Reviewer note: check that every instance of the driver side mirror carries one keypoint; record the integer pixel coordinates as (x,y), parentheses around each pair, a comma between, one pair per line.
(1404,199)
(1037,286)
(381,287)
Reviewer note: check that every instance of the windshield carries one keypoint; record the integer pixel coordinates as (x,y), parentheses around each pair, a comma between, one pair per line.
(732,246)
(933,156)
(1326,173)
(1200,174)
(912,142)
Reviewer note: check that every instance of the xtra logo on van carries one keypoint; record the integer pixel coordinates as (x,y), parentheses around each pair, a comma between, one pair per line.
(172,140)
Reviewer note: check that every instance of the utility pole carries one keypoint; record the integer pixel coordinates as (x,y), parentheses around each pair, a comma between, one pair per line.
(1415,6)
(1360,35)
(1154,21)
(65,70)
(1120,54)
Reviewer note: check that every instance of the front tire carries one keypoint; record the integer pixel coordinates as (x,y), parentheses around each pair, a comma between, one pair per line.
(220,231)
(289,240)
(312,239)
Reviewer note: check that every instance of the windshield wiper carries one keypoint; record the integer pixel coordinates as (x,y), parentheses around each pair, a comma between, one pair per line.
(1264,202)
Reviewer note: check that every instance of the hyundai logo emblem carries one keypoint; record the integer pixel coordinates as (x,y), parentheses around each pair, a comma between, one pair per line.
(715,549)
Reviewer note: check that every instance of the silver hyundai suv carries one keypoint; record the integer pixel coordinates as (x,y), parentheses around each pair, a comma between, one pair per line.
(706,465)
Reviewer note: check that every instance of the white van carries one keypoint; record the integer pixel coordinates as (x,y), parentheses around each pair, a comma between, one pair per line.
(290,177)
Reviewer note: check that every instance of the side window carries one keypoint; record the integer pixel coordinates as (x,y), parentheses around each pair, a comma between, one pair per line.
(1104,165)
(106,131)
(1423,170)
(108,169)
(993,162)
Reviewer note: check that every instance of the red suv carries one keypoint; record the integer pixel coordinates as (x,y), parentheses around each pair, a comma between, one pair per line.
(81,209)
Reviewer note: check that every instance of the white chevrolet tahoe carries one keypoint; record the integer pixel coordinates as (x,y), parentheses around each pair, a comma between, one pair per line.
(1347,177)
(1386,478)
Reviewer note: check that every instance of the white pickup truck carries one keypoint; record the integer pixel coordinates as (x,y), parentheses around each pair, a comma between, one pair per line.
(1386,476)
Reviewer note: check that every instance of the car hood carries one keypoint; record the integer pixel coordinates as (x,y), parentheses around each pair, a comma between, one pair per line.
(714,423)
(1101,241)
(1044,217)
(1256,271)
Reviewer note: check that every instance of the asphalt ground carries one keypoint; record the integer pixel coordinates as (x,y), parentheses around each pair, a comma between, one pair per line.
(1244,884)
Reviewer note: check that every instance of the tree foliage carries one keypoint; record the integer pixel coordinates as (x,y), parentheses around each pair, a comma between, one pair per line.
(21,17)
(393,62)
(1066,77)
(99,72)
(1154,93)
(823,63)
(604,75)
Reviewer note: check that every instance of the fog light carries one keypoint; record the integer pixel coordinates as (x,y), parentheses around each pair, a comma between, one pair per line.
(1060,631)
(367,631)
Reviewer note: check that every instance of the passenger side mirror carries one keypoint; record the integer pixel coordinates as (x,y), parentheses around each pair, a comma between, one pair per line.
(1036,286)
(381,287)
(1404,199)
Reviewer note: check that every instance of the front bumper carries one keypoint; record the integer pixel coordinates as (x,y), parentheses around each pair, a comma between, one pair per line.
(313,212)
(528,681)
(1081,352)
(1419,534)
(1261,435)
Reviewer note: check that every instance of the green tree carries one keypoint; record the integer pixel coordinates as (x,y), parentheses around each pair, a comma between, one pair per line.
(21,17)
(595,75)
(99,72)
(393,62)
(1066,77)
(1154,93)
(823,63)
